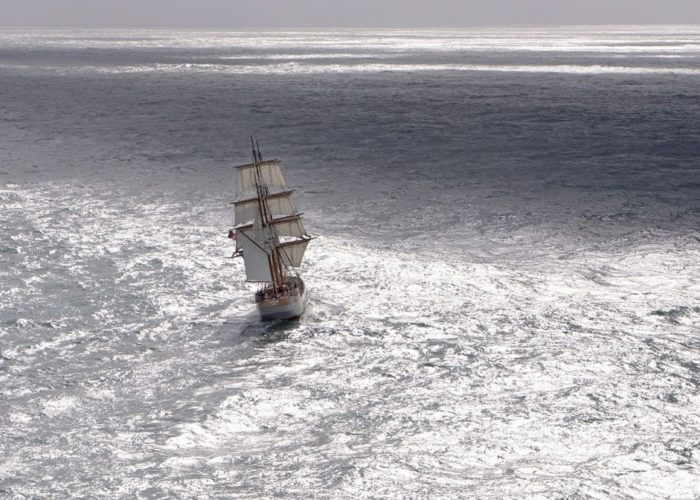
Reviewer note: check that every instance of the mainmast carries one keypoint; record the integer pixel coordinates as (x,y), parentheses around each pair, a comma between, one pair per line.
(263,191)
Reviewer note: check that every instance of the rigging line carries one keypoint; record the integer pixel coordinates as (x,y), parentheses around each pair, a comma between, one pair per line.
(262,208)
(277,267)
(259,153)
(254,242)
(268,196)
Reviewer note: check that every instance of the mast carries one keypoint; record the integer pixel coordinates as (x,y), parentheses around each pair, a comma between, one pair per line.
(263,192)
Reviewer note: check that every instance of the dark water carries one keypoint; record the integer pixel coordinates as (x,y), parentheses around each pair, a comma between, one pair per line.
(504,291)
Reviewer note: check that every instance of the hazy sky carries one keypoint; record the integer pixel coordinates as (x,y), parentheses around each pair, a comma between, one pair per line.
(329,13)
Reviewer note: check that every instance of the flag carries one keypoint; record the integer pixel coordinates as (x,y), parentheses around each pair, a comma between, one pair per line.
(231,234)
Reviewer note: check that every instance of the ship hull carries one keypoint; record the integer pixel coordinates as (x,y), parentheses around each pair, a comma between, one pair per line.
(288,304)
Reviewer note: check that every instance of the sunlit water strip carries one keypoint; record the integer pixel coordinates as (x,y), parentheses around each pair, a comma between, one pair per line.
(621,50)
(294,68)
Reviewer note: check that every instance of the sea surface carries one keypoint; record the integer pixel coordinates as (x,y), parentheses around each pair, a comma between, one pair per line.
(504,285)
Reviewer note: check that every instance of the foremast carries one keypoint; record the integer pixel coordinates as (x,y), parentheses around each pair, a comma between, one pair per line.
(269,229)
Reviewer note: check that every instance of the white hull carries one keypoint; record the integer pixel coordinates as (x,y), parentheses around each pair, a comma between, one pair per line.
(289,304)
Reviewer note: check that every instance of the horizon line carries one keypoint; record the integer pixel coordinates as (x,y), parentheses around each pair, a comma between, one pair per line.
(340,28)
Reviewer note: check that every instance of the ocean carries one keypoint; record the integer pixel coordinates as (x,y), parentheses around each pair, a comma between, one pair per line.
(504,285)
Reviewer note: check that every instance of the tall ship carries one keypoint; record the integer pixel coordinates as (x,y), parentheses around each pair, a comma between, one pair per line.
(270,237)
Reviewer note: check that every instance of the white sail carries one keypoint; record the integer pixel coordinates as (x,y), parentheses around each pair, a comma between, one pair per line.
(277,205)
(247,211)
(292,253)
(270,176)
(255,255)
(280,206)
(262,197)
(289,227)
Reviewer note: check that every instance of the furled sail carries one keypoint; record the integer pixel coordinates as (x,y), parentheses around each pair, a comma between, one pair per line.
(255,254)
